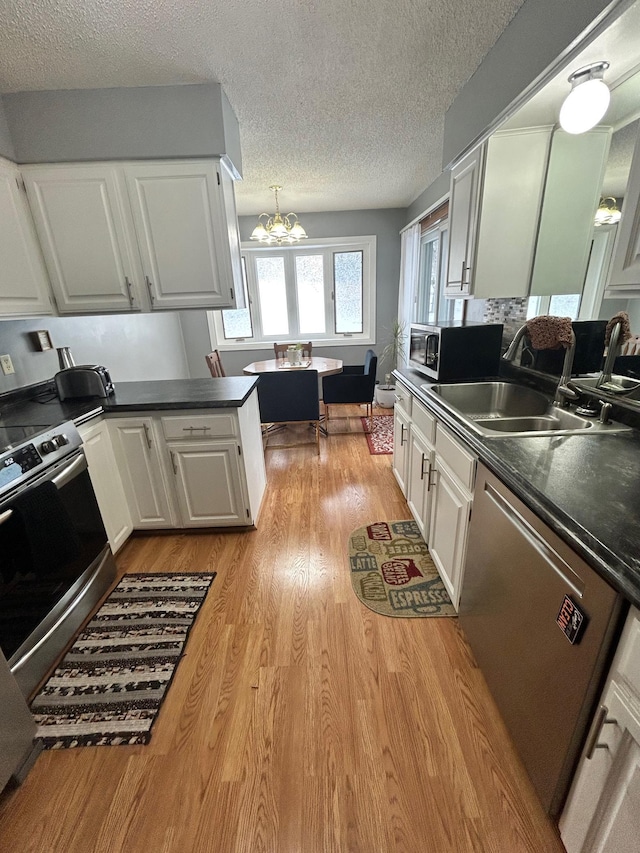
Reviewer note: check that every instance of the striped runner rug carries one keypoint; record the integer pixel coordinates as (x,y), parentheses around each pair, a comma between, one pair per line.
(109,686)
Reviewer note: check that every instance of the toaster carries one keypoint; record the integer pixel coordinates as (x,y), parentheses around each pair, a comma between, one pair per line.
(83,380)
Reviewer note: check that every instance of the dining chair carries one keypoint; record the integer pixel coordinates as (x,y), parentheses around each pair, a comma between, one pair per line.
(281,350)
(289,397)
(215,364)
(356,384)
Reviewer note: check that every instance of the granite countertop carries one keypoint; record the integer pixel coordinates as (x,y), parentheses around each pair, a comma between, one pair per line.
(40,404)
(585,487)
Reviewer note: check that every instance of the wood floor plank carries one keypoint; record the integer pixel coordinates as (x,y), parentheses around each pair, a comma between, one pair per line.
(298,720)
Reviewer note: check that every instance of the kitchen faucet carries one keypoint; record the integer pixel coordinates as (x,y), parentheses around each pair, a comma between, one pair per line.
(604,379)
(564,391)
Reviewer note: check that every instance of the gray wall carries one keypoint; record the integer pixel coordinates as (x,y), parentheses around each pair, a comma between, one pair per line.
(6,145)
(427,199)
(540,31)
(140,347)
(122,124)
(385,224)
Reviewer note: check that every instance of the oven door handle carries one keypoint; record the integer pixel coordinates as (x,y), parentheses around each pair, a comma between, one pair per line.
(5,516)
(69,472)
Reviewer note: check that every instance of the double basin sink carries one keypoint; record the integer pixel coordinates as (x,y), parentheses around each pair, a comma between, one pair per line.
(493,409)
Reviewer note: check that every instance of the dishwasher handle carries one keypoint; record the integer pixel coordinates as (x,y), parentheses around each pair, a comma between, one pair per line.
(553,560)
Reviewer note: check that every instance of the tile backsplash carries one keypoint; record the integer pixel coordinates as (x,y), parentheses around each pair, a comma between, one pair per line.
(508,311)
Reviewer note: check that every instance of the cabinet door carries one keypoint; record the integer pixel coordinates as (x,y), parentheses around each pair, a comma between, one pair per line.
(208,483)
(451,507)
(183,234)
(400,447)
(136,450)
(512,188)
(463,214)
(79,218)
(603,810)
(107,484)
(574,182)
(419,480)
(625,268)
(23,279)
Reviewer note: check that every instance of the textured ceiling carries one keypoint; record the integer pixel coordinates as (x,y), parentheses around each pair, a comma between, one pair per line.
(342,103)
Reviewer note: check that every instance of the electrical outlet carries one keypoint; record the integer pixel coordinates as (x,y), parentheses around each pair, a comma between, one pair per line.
(6,364)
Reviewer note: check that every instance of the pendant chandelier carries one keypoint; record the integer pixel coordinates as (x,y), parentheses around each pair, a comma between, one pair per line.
(278,229)
(607,212)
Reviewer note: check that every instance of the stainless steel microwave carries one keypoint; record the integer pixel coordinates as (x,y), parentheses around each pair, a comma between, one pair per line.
(451,352)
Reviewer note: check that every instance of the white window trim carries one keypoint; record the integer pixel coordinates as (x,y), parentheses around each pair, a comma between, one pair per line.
(368,246)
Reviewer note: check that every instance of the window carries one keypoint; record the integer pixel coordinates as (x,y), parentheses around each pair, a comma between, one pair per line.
(323,291)
(561,305)
(430,305)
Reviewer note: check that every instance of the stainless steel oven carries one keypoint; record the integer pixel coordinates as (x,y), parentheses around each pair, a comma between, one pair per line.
(55,561)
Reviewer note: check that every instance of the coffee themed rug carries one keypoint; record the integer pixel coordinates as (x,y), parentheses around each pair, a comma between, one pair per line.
(392,571)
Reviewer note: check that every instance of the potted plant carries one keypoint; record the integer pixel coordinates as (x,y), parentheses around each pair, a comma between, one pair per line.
(393,352)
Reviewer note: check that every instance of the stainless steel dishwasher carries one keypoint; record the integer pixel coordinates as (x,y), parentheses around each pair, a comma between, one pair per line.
(540,622)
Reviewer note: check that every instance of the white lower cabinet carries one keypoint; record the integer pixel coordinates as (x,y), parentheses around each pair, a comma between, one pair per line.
(419,487)
(602,814)
(192,468)
(401,422)
(106,481)
(436,473)
(145,482)
(451,511)
(208,484)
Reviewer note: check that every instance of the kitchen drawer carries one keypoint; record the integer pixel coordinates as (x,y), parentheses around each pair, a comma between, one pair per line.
(627,663)
(403,398)
(424,421)
(190,427)
(457,458)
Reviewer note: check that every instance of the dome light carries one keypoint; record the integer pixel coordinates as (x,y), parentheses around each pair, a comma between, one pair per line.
(588,100)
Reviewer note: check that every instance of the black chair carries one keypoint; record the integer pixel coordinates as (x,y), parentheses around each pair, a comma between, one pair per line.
(289,397)
(356,384)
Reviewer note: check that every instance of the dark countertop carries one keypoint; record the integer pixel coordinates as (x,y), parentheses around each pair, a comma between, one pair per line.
(585,487)
(40,405)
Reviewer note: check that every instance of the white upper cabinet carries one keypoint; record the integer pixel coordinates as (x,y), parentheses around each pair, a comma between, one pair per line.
(80,219)
(521,213)
(572,190)
(137,236)
(183,234)
(23,279)
(464,198)
(512,190)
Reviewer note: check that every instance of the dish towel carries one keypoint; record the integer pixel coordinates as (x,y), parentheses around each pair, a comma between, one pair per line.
(547,332)
(625,328)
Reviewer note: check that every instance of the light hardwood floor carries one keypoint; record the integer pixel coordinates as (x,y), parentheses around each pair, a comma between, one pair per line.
(298,720)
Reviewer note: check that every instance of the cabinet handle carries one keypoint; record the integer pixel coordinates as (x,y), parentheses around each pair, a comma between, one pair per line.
(191,429)
(462,274)
(147,436)
(402,428)
(601,720)
(429,483)
(150,289)
(173,462)
(129,291)
(398,398)
(424,459)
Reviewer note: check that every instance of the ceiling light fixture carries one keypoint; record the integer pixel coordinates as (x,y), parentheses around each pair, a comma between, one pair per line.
(588,99)
(607,212)
(278,229)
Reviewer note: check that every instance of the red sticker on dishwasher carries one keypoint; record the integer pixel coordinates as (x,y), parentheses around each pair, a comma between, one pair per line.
(571,620)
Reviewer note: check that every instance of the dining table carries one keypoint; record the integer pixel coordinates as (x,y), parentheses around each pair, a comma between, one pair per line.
(324,366)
